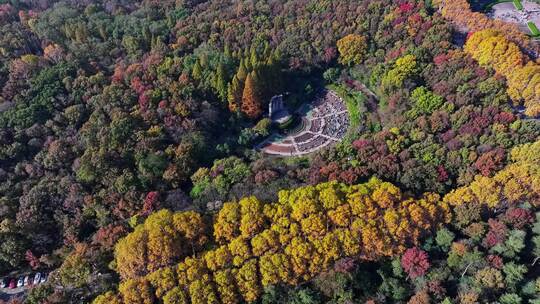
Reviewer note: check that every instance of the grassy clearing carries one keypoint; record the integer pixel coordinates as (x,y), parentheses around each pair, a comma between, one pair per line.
(354,101)
(534,29)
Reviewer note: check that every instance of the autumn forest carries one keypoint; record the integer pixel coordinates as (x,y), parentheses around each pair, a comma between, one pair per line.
(131,167)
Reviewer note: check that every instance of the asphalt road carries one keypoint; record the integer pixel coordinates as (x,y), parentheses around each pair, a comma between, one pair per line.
(6,293)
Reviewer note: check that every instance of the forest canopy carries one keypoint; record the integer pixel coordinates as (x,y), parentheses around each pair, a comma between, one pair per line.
(131,168)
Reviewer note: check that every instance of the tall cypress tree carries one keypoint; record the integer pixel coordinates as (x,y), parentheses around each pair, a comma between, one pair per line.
(234,94)
(221,82)
(254,58)
(251,98)
(242,71)
(197,71)
(227,51)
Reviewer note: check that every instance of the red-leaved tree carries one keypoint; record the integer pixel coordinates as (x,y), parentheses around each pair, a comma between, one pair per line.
(415,262)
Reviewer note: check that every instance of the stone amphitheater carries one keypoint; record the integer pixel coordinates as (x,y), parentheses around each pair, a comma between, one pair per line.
(324,122)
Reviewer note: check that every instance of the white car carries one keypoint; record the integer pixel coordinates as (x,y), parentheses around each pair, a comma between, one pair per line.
(37,278)
(20,282)
(28,280)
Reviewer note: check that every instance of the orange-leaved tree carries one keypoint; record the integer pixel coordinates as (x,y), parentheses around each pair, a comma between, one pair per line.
(251,98)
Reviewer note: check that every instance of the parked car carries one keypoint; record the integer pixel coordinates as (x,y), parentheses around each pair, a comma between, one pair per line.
(43,278)
(37,278)
(20,282)
(12,284)
(4,283)
(28,280)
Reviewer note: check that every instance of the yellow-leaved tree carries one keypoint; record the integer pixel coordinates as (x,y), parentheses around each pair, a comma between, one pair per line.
(255,245)
(492,49)
(516,183)
(163,240)
(352,49)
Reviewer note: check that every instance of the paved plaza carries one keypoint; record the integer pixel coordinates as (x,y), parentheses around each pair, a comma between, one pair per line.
(507,12)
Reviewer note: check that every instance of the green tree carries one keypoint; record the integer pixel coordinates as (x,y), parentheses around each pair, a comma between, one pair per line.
(510,298)
(513,245)
(513,274)
(444,238)
(234,94)
(425,101)
(40,293)
(197,70)
(221,82)
(404,68)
